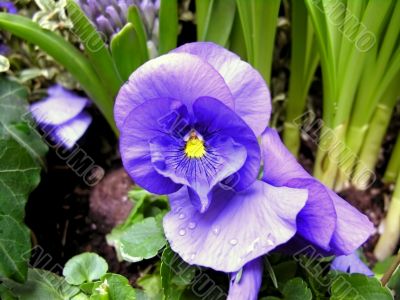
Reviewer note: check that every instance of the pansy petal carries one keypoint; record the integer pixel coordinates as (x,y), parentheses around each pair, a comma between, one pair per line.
(350,264)
(249,90)
(179,76)
(147,121)
(223,158)
(248,286)
(218,119)
(280,165)
(70,132)
(59,107)
(237,227)
(317,221)
(352,229)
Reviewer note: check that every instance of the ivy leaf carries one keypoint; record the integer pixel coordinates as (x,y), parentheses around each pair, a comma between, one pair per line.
(175,274)
(42,285)
(21,152)
(358,286)
(15,122)
(142,240)
(84,267)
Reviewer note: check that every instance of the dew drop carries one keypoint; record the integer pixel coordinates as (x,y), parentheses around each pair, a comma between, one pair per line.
(233,242)
(192,257)
(181,216)
(270,241)
(216,230)
(182,232)
(192,225)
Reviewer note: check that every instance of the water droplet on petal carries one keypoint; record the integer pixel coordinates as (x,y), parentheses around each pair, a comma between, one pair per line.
(233,242)
(253,246)
(181,216)
(192,256)
(270,241)
(192,225)
(182,232)
(216,230)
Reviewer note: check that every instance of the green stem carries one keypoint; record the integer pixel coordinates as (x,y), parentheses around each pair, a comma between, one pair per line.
(389,273)
(330,148)
(370,151)
(304,61)
(393,168)
(391,235)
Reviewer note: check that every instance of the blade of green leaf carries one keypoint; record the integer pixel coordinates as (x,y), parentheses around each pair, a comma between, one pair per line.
(125,51)
(168,28)
(220,21)
(95,48)
(133,17)
(237,42)
(65,54)
(245,14)
(265,20)
(203,15)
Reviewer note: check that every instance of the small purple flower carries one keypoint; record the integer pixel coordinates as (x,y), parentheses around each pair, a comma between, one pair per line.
(8,7)
(61,115)
(350,264)
(109,16)
(189,124)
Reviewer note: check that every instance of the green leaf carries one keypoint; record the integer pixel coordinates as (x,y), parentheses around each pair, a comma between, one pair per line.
(357,286)
(265,19)
(133,17)
(113,287)
(65,54)
(125,49)
(176,275)
(42,285)
(84,267)
(145,205)
(21,152)
(95,48)
(381,267)
(142,240)
(151,284)
(6,294)
(15,122)
(168,27)
(203,15)
(297,289)
(218,16)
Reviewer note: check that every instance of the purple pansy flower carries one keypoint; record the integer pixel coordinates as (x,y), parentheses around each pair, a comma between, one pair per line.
(350,264)
(61,115)
(189,124)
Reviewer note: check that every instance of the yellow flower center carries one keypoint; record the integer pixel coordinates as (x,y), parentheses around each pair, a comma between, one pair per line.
(194,147)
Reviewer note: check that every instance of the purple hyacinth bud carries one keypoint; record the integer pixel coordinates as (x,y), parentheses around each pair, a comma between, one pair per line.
(8,7)
(109,16)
